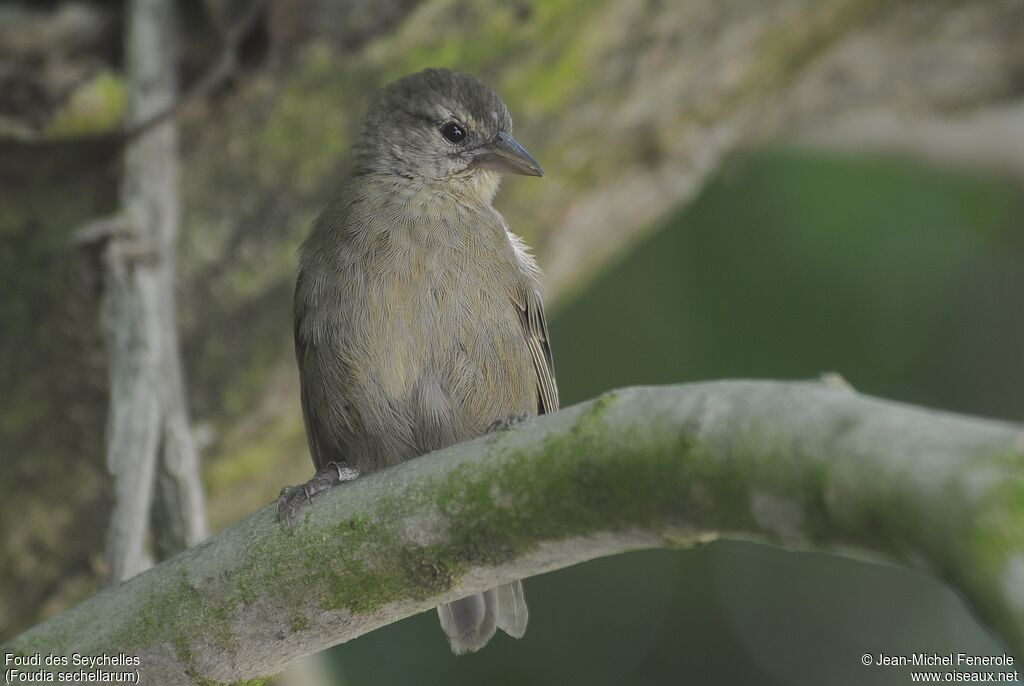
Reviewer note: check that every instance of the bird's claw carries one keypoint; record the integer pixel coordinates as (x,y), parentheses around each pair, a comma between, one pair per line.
(506,423)
(293,500)
(289,507)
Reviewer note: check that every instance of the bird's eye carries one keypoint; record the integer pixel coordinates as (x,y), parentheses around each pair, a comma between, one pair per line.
(453,132)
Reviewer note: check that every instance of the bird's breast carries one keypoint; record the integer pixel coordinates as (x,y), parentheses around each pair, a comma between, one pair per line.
(442,334)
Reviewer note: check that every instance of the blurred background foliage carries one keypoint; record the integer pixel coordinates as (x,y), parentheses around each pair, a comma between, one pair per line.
(735,189)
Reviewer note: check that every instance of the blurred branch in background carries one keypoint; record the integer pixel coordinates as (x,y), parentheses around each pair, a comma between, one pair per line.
(150,454)
(717,76)
(799,464)
(670,88)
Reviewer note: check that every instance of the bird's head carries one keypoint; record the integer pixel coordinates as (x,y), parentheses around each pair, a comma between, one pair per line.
(442,126)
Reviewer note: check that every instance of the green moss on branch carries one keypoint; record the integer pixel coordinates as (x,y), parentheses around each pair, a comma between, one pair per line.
(803,465)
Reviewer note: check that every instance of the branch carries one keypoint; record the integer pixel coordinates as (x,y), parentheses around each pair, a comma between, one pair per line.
(799,464)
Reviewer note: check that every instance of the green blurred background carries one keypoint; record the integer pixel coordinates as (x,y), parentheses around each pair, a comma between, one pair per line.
(735,188)
(908,281)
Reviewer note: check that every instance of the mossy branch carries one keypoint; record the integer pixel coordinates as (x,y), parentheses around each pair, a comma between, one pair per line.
(808,465)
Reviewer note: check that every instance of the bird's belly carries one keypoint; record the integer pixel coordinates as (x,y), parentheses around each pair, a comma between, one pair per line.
(442,368)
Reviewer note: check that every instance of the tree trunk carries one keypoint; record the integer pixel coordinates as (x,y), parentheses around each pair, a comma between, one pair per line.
(149,442)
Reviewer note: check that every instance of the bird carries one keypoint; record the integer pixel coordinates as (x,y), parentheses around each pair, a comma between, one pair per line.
(419,319)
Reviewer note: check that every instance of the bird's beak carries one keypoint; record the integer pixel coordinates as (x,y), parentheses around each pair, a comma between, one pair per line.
(505,155)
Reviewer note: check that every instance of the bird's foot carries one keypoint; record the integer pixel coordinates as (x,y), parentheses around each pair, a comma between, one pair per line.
(293,500)
(506,423)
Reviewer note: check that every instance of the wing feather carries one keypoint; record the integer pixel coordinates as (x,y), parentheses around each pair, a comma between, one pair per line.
(315,433)
(535,328)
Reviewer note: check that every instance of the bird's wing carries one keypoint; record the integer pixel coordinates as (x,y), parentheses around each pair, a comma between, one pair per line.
(315,433)
(535,328)
(319,367)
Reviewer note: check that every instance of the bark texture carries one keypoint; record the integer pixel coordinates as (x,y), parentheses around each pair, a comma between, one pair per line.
(805,465)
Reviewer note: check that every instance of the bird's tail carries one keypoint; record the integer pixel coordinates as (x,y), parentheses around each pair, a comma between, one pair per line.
(470,622)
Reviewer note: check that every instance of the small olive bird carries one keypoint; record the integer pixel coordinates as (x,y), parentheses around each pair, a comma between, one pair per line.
(418,315)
